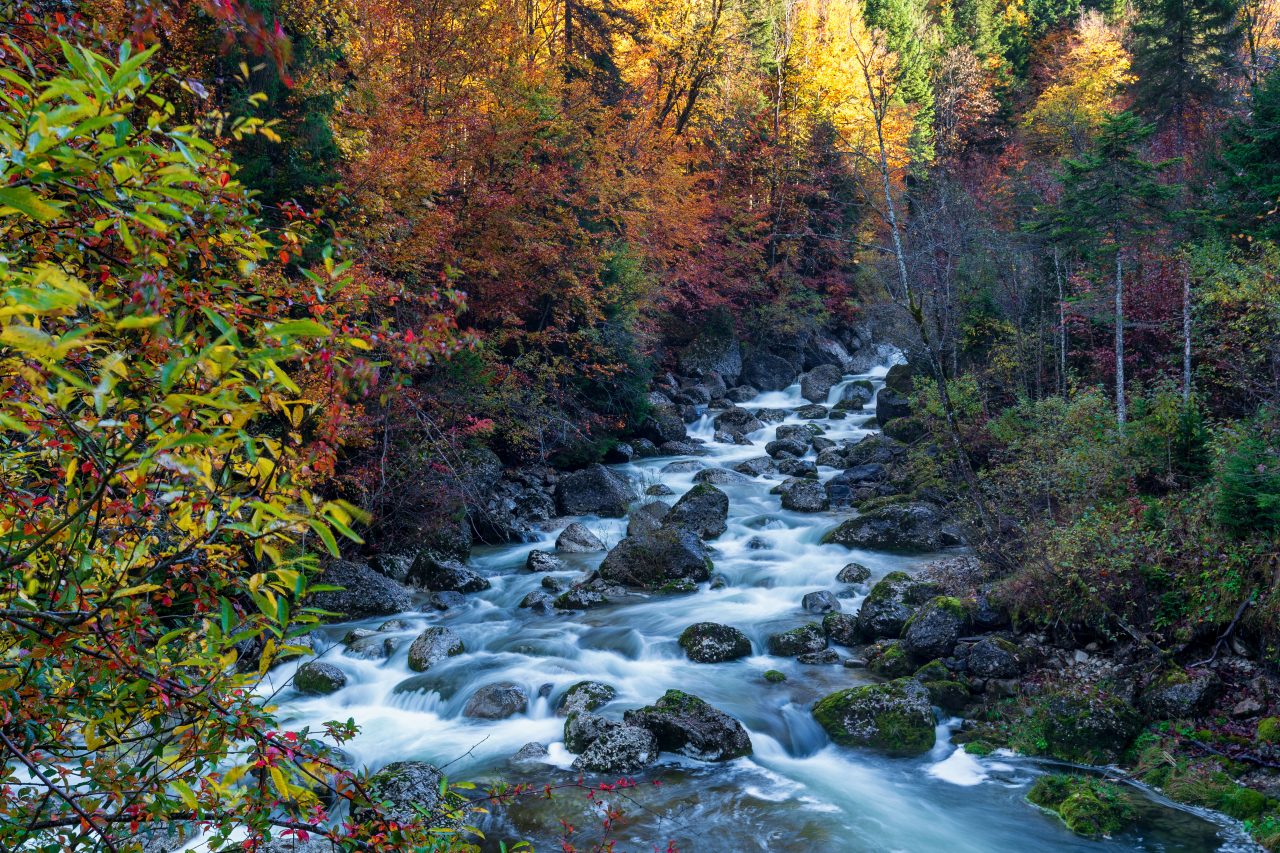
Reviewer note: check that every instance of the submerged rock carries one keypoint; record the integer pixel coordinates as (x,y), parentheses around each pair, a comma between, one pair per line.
(577,539)
(894,718)
(497,701)
(432,646)
(530,754)
(371,645)
(822,601)
(318,678)
(539,601)
(685,724)
(709,642)
(543,561)
(721,477)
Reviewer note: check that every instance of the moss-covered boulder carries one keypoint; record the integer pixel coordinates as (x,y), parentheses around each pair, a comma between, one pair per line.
(910,528)
(710,642)
(584,696)
(841,629)
(318,678)
(655,559)
(774,676)
(685,724)
(892,601)
(895,718)
(1089,807)
(994,657)
(950,696)
(853,573)
(798,641)
(1268,730)
(932,632)
(889,659)
(432,646)
(701,510)
(1178,694)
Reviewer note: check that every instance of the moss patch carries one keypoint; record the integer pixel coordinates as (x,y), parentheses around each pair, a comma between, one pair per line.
(1089,807)
(774,676)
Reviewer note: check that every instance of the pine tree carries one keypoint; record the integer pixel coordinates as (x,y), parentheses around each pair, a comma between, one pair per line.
(1180,50)
(1251,158)
(1110,200)
(904,23)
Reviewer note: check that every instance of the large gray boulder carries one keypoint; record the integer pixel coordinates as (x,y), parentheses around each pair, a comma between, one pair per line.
(647,518)
(755,467)
(594,490)
(816,385)
(891,602)
(621,749)
(364,592)
(767,371)
(721,477)
(432,646)
(685,724)
(656,559)
(511,509)
(821,601)
(801,494)
(709,642)
(402,792)
(714,351)
(445,575)
(1181,695)
(577,539)
(993,657)
(912,528)
(890,405)
(738,422)
(664,425)
(806,639)
(702,510)
(582,728)
(894,718)
(497,701)
(543,561)
(584,696)
(935,629)
(317,678)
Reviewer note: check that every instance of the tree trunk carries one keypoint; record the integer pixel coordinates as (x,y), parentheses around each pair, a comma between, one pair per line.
(1121,410)
(1062,326)
(1186,333)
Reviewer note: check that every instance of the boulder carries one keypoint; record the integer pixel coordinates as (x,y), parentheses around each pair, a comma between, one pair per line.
(447,600)
(741,394)
(755,467)
(370,645)
(822,350)
(876,448)
(798,641)
(664,424)
(660,490)
(798,468)
(894,718)
(812,412)
(658,558)
(584,696)
(432,646)
(685,724)
(1086,725)
(800,494)
(581,598)
(404,791)
(789,446)
(577,539)
(364,592)
(908,430)
(624,749)
(647,518)
(543,561)
(582,728)
(935,628)
(904,528)
(701,510)
(539,601)
(445,575)
(888,659)
(900,378)
(841,628)
(992,657)
(890,405)
(772,416)
(709,642)
(826,657)
(721,477)
(394,566)
(891,602)
(856,394)
(816,385)
(497,702)
(822,601)
(594,490)
(511,509)
(737,421)
(767,371)
(317,678)
(714,351)
(853,573)
(682,448)
(684,466)
(532,753)
(1181,695)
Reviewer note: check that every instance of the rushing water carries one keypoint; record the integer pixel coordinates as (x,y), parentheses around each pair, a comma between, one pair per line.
(797,792)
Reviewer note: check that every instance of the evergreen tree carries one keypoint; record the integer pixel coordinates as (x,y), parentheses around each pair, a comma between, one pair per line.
(1110,200)
(1180,50)
(1251,158)
(904,23)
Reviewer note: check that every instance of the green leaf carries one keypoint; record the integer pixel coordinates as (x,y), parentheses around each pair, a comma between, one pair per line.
(300,329)
(23,200)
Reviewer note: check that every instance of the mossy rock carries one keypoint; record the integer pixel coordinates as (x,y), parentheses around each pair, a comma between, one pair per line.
(709,642)
(950,696)
(895,718)
(1089,807)
(774,676)
(889,659)
(1268,730)
(934,670)
(979,748)
(798,641)
(318,678)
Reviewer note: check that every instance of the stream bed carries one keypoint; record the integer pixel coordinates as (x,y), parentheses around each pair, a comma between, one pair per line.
(797,792)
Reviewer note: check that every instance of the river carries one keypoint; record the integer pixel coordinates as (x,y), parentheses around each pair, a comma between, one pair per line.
(797,792)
